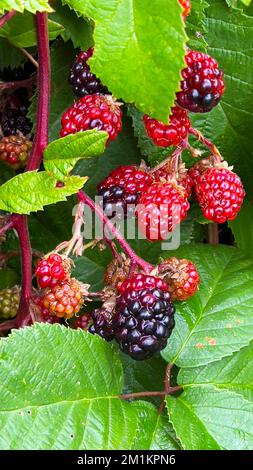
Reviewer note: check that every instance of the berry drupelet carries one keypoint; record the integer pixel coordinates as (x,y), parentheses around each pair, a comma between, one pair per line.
(144,316)
(164,135)
(83,81)
(161,207)
(99,112)
(202,83)
(122,189)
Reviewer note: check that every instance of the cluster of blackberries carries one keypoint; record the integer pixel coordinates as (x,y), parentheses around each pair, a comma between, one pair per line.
(61,296)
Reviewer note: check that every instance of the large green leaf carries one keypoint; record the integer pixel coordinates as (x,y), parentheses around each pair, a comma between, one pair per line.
(89,271)
(61,155)
(242,228)
(206,418)
(127,57)
(21,5)
(10,56)
(218,320)
(195,25)
(78,29)
(65,396)
(234,373)
(20,30)
(229,125)
(31,191)
(155,431)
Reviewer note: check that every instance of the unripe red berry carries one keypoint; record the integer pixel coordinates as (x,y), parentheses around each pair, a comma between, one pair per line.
(65,299)
(14,150)
(164,135)
(219,192)
(99,112)
(160,209)
(186,5)
(51,270)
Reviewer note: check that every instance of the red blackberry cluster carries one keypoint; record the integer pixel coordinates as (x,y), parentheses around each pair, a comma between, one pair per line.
(99,112)
(83,81)
(202,85)
(161,207)
(181,277)
(144,316)
(14,150)
(52,270)
(220,194)
(164,135)
(122,189)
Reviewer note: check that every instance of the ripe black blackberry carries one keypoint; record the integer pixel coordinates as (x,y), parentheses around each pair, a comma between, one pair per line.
(14,120)
(21,72)
(101,325)
(143,321)
(83,81)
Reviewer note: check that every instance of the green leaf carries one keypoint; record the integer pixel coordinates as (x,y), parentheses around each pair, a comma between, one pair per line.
(89,271)
(155,430)
(78,29)
(65,397)
(61,155)
(10,56)
(20,30)
(229,125)
(127,58)
(203,332)
(205,418)
(242,228)
(8,278)
(62,55)
(234,373)
(195,25)
(31,191)
(140,379)
(21,5)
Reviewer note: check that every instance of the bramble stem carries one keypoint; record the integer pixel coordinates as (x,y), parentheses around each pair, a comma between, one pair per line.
(20,224)
(169,391)
(8,226)
(173,160)
(213,234)
(6,17)
(41,133)
(215,152)
(135,259)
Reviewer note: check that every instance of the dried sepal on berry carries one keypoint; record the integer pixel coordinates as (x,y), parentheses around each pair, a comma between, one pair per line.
(181,276)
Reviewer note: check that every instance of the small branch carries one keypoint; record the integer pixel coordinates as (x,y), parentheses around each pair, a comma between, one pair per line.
(20,224)
(213,234)
(18,84)
(7,17)
(215,152)
(7,325)
(8,226)
(170,391)
(29,57)
(135,259)
(41,133)
(172,160)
